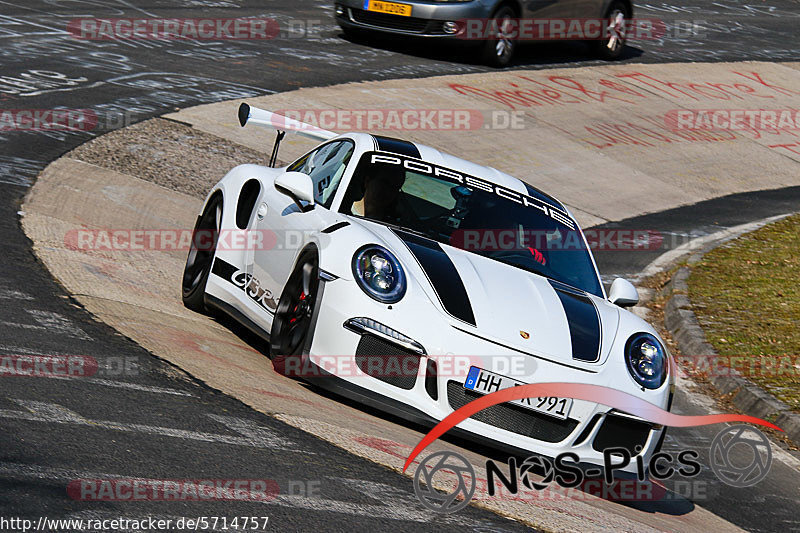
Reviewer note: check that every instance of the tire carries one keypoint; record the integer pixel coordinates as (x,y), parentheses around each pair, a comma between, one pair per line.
(498,52)
(201,256)
(616,17)
(294,316)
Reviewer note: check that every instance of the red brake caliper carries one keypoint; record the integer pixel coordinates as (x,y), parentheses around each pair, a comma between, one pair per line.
(302,297)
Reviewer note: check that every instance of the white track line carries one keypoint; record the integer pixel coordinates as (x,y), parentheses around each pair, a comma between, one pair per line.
(252,435)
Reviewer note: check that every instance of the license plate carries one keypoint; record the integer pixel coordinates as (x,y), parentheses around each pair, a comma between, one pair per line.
(392,8)
(484,382)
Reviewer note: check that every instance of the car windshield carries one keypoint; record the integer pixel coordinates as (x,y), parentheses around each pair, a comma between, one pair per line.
(527,231)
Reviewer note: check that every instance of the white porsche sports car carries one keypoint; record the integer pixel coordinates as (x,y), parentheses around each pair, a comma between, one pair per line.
(414,281)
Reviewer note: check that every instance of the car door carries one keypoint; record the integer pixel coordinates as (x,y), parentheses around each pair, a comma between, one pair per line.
(278,215)
(556,9)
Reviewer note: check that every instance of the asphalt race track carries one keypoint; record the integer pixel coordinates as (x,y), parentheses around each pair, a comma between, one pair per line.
(140,417)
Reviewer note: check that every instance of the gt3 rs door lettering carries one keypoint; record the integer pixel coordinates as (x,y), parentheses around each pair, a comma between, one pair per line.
(413,165)
(247,282)
(252,287)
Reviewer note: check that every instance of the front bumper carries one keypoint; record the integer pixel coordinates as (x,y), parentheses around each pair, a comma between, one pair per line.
(430,385)
(426,20)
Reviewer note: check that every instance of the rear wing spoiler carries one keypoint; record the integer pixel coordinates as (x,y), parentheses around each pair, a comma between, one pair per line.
(281,124)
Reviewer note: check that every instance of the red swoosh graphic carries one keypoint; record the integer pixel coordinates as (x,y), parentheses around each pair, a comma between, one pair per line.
(578,391)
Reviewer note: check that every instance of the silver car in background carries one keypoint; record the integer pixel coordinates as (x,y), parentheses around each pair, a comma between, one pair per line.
(444,20)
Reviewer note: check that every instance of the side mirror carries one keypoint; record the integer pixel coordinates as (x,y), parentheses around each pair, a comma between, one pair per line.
(298,187)
(623,293)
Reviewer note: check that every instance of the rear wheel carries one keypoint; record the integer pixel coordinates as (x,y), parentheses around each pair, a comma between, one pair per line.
(499,48)
(292,324)
(616,20)
(201,255)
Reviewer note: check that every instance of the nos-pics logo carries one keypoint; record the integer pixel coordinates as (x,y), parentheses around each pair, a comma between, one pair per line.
(726,464)
(442,463)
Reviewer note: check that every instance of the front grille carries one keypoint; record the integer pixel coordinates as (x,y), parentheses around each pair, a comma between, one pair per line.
(621,432)
(391,22)
(387,362)
(513,418)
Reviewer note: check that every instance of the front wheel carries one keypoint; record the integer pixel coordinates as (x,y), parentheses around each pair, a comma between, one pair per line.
(616,20)
(201,256)
(499,48)
(292,325)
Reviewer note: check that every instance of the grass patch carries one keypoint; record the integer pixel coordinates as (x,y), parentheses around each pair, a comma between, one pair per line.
(746,295)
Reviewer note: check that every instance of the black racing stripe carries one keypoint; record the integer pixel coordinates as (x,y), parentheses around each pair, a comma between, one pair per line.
(334,227)
(583,321)
(396,146)
(442,274)
(223,269)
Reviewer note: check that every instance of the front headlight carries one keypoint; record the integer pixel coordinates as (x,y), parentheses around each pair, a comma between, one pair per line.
(646,360)
(379,274)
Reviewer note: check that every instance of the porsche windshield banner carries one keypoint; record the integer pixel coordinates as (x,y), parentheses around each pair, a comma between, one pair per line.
(422,167)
